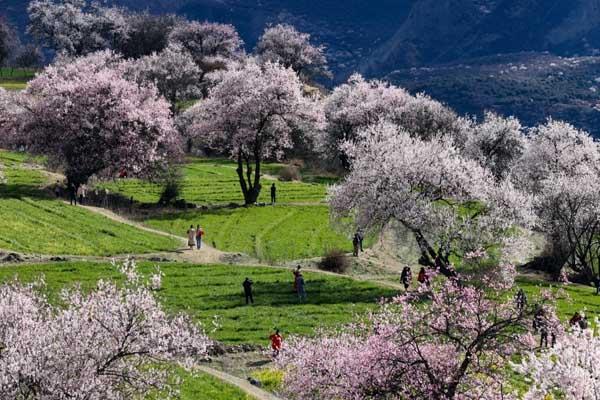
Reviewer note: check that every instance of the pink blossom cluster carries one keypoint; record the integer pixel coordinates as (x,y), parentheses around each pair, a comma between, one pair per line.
(452,341)
(89,119)
(111,343)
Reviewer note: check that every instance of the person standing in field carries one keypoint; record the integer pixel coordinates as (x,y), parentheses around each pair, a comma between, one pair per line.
(355,244)
(406,277)
(191,233)
(300,284)
(360,237)
(72,194)
(276,342)
(247,285)
(273,193)
(422,277)
(297,275)
(199,234)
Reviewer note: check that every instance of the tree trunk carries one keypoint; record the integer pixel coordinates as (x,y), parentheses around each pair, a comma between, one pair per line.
(250,186)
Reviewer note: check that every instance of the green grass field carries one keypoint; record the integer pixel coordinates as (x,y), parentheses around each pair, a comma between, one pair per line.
(580,297)
(209,292)
(33,222)
(267,233)
(15,79)
(205,387)
(214,181)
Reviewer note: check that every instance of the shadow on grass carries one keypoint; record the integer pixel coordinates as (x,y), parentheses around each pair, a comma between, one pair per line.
(17,191)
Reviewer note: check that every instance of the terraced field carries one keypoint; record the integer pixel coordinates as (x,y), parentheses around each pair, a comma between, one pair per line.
(33,222)
(213,181)
(267,233)
(214,293)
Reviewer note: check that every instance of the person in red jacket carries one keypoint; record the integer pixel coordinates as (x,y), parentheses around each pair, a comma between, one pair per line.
(276,342)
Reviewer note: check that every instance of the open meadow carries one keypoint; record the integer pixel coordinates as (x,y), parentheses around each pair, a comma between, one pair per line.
(33,222)
(214,294)
(215,182)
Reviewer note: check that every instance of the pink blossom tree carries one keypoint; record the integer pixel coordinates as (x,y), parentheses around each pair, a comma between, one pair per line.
(451,204)
(283,44)
(112,343)
(251,115)
(570,369)
(88,119)
(454,345)
(359,103)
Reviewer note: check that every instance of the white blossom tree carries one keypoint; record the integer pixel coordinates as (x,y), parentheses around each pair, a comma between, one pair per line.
(76,27)
(211,45)
(497,143)
(451,204)
(114,343)
(560,167)
(283,44)
(251,115)
(173,71)
(359,103)
(570,369)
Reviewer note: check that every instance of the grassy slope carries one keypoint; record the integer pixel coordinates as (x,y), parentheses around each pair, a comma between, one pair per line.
(268,233)
(209,291)
(34,223)
(213,181)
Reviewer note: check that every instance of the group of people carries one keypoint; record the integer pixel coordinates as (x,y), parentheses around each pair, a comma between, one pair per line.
(76,194)
(406,277)
(195,237)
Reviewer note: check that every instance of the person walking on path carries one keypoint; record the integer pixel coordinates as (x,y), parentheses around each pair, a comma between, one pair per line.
(199,234)
(72,194)
(276,343)
(297,275)
(57,189)
(406,277)
(191,233)
(81,194)
(360,237)
(355,244)
(248,291)
(300,284)
(521,300)
(273,193)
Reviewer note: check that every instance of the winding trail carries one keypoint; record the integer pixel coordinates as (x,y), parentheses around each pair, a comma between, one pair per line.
(254,391)
(207,255)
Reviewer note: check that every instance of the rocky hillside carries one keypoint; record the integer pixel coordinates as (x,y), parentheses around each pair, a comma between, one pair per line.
(531,86)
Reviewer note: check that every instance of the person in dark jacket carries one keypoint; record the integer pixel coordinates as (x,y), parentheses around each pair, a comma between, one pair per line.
(406,277)
(248,290)
(273,194)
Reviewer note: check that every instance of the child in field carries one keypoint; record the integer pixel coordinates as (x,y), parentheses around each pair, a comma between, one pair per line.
(191,237)
(276,342)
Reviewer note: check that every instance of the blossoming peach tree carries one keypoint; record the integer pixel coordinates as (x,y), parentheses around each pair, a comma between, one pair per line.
(115,342)
(449,203)
(252,115)
(89,119)
(453,340)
